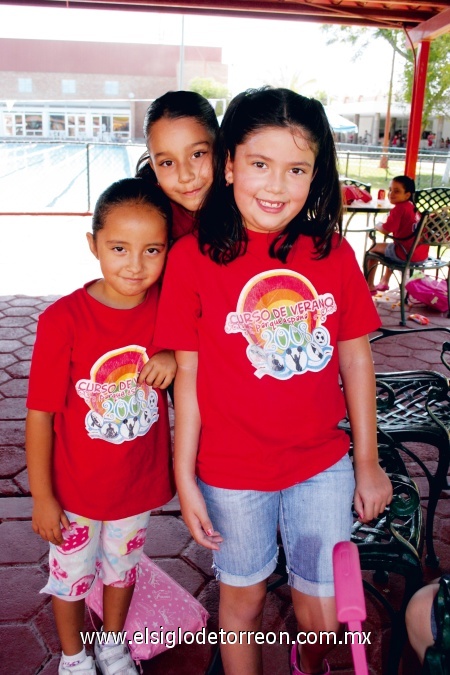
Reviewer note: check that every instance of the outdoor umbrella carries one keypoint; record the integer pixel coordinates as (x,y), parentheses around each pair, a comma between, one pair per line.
(340,124)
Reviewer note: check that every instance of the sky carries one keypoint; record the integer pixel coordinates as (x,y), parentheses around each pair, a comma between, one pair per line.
(257,51)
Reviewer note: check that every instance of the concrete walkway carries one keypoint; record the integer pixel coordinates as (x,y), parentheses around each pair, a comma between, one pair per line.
(28,638)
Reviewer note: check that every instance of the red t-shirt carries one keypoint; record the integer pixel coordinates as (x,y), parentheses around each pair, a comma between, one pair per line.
(183,221)
(111,455)
(402,222)
(268,375)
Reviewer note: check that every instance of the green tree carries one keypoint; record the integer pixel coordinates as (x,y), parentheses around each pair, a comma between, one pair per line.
(210,88)
(437,98)
(321,96)
(437,95)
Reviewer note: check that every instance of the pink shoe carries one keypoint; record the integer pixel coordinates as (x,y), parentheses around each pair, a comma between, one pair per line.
(382,287)
(295,670)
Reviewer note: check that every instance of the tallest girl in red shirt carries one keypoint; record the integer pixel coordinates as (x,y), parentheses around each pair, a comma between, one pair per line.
(266,307)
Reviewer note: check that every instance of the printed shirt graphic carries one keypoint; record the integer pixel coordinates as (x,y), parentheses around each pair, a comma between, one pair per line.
(281,316)
(119,408)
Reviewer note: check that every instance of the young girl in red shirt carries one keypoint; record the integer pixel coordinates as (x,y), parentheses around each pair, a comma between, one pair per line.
(97,430)
(180,128)
(267,310)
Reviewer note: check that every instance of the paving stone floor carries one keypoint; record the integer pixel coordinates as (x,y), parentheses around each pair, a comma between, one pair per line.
(28,639)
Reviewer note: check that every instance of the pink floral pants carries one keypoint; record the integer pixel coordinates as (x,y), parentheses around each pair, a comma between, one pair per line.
(110,548)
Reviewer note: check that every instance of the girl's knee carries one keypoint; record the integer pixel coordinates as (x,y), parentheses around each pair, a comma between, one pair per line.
(378,248)
(418,618)
(245,603)
(315,613)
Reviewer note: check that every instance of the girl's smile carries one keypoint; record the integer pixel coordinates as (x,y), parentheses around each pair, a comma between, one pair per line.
(270,207)
(181,156)
(271,174)
(131,248)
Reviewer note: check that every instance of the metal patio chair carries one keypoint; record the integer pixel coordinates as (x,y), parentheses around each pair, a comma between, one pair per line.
(437,657)
(413,406)
(351,182)
(434,230)
(431,199)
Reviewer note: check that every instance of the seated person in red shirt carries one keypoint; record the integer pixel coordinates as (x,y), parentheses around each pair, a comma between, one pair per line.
(401,223)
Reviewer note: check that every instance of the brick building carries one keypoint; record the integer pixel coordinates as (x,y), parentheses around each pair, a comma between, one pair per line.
(92,90)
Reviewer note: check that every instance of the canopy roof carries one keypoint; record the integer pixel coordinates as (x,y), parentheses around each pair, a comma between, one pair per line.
(376,13)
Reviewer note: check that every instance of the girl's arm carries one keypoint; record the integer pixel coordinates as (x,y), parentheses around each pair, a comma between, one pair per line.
(380,227)
(187,434)
(48,516)
(373,488)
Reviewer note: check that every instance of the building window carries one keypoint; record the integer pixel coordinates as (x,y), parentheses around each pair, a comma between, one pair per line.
(68,86)
(57,122)
(8,123)
(33,125)
(25,85)
(57,126)
(121,127)
(111,87)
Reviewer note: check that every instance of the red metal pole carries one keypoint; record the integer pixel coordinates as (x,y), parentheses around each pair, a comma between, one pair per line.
(415,120)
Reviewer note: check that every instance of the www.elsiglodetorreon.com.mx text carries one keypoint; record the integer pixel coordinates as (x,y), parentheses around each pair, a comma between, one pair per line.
(170,638)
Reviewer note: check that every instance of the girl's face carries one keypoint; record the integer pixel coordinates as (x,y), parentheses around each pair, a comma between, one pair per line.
(181,156)
(131,248)
(397,193)
(271,174)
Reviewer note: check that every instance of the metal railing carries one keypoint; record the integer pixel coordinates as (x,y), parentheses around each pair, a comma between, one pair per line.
(60,177)
(363,162)
(67,177)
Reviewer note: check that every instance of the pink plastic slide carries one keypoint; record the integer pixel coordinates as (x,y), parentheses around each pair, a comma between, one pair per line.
(350,604)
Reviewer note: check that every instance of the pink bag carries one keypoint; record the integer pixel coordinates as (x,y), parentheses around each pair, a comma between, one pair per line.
(161,611)
(432,292)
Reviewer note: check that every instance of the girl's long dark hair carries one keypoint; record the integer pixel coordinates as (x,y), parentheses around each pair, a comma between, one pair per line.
(175,105)
(222,234)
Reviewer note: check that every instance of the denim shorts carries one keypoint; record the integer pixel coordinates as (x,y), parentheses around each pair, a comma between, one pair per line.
(111,549)
(433,623)
(391,254)
(312,517)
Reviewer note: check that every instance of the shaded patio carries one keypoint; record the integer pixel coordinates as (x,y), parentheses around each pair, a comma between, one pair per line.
(28,637)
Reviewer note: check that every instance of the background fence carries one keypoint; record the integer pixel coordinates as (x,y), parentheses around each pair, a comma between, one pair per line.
(363,162)
(56,177)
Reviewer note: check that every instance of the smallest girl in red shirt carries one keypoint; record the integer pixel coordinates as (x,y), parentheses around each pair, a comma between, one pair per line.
(401,224)
(97,432)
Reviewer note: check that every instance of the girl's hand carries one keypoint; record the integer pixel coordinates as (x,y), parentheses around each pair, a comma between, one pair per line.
(159,370)
(373,491)
(47,519)
(196,517)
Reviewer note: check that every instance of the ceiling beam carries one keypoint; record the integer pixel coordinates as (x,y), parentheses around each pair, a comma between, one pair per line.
(432,28)
(389,14)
